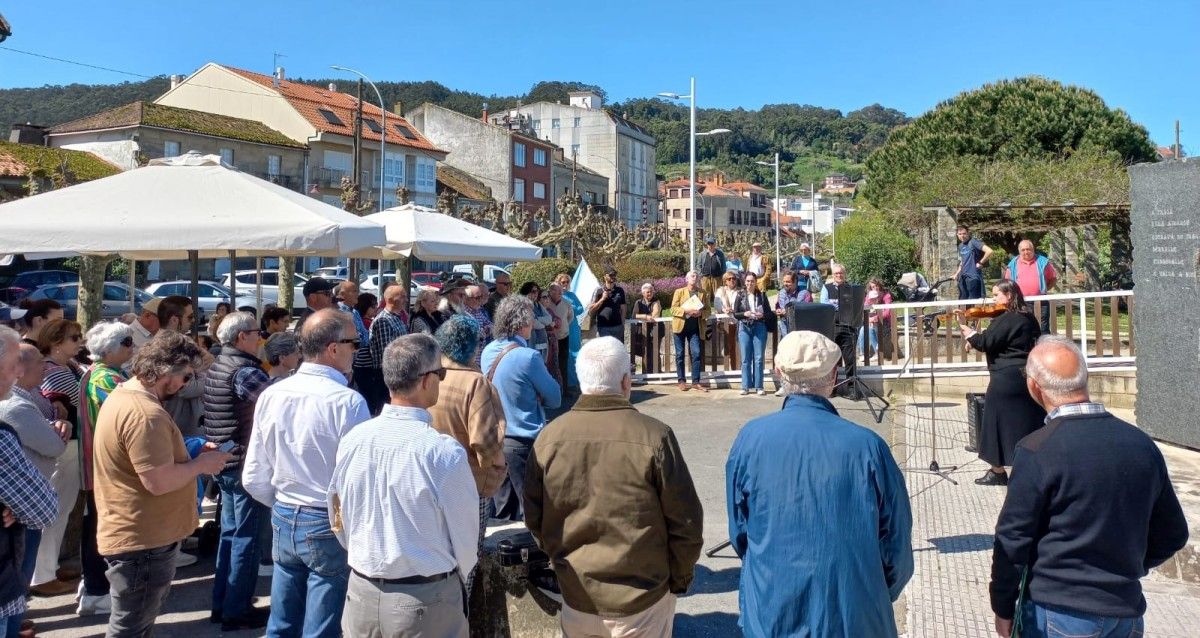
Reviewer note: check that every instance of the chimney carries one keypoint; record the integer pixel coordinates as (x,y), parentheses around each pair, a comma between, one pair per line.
(398,108)
(485,112)
(175,80)
(333,87)
(278,76)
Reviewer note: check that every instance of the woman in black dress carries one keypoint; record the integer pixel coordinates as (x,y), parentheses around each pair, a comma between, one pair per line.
(1009,413)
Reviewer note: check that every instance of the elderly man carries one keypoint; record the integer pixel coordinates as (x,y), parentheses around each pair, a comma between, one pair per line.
(454,294)
(231,389)
(805,267)
(1090,511)
(608,306)
(43,441)
(469,409)
(818,510)
(711,266)
(145,483)
(973,254)
(145,326)
(298,424)
(690,307)
(760,264)
(387,326)
(318,295)
(622,553)
(405,506)
(564,311)
(1034,275)
(27,500)
(843,334)
(526,389)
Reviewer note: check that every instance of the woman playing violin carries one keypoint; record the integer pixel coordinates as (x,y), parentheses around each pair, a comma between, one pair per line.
(1009,413)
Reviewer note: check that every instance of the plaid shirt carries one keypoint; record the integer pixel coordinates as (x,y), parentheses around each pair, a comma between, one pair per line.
(385,328)
(249,382)
(28,494)
(1075,409)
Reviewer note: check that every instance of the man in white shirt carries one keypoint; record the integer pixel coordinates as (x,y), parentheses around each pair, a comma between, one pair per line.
(404,503)
(298,424)
(145,326)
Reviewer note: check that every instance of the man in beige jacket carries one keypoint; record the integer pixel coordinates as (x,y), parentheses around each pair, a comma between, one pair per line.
(609,498)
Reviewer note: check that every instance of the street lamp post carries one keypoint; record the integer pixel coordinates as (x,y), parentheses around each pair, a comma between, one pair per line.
(778,246)
(382,140)
(692,164)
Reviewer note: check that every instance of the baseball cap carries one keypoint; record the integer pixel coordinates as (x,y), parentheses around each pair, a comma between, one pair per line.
(8,313)
(710,240)
(317,284)
(804,355)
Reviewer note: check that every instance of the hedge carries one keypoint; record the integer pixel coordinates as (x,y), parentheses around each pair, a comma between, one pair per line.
(649,265)
(541,272)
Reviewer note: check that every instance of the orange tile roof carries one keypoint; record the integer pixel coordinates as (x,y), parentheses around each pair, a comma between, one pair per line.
(744,186)
(11,166)
(308,99)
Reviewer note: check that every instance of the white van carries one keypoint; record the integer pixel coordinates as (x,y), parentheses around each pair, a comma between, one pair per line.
(489,271)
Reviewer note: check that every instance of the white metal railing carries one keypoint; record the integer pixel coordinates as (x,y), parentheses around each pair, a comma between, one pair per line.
(920,336)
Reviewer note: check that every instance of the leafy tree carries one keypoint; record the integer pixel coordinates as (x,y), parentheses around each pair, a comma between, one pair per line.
(557,91)
(870,245)
(1028,118)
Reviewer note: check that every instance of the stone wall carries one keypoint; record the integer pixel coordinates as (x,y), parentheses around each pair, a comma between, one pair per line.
(1113,389)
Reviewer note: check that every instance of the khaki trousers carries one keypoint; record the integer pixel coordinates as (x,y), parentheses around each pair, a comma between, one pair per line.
(651,623)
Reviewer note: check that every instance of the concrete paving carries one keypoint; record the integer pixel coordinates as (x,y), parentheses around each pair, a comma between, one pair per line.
(952,531)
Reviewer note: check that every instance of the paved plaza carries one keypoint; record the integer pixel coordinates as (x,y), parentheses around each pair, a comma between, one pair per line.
(952,536)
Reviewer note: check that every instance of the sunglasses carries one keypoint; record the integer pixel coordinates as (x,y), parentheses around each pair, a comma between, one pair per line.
(353,342)
(127,342)
(440,372)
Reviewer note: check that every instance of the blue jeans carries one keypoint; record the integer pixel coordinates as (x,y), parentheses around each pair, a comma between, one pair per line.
(970,287)
(33,537)
(239,549)
(752,342)
(871,333)
(1042,622)
(308,588)
(508,503)
(693,342)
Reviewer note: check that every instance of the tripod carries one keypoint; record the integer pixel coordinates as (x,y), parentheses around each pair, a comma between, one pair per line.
(934,468)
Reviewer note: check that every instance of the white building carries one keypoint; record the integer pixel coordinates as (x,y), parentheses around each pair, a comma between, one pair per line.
(799,214)
(600,140)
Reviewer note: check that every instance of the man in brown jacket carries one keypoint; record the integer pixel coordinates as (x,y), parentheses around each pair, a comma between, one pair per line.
(609,497)
(689,325)
(469,410)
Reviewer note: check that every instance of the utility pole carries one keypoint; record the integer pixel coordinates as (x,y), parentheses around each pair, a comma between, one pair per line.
(574,168)
(1178,146)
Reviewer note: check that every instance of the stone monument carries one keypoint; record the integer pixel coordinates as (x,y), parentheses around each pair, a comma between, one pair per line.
(1165,221)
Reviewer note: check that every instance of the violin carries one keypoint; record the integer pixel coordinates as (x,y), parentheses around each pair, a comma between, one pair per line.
(986,311)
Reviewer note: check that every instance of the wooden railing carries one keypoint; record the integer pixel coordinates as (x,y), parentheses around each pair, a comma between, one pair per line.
(918,336)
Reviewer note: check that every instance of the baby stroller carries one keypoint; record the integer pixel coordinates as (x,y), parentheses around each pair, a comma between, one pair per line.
(916,289)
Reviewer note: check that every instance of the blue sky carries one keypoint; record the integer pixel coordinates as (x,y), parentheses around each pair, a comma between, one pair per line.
(907,54)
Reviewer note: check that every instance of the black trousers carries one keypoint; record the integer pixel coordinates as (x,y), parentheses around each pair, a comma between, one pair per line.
(846,338)
(564,359)
(369,382)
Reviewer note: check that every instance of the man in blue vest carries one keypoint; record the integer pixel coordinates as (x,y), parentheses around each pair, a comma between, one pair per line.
(1035,275)
(973,254)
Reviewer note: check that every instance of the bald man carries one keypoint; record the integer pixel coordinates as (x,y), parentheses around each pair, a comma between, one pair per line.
(1035,275)
(1090,506)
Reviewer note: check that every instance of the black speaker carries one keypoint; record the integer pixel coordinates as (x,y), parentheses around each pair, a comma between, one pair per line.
(852,299)
(817,317)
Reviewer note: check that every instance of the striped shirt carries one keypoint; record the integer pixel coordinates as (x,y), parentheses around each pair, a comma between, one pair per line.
(408,502)
(386,328)
(62,380)
(29,495)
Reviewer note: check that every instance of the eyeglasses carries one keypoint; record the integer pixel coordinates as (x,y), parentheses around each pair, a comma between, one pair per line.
(127,342)
(440,372)
(353,342)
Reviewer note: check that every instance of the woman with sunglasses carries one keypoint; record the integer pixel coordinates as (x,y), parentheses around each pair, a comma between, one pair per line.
(59,341)
(111,345)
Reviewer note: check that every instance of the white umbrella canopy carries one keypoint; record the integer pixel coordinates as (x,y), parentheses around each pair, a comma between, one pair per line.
(188,203)
(432,236)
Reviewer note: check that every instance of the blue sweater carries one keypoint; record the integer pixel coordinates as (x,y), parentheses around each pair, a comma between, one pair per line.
(525,387)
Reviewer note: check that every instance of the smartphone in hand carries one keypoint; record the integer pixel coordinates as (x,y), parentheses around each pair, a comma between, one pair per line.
(226,447)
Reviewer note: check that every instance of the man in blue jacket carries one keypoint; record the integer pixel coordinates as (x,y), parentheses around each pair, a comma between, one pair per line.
(818,510)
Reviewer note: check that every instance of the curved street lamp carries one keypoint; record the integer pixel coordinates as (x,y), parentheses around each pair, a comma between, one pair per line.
(382,131)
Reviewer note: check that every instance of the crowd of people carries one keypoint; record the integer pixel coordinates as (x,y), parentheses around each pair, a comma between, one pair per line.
(361,454)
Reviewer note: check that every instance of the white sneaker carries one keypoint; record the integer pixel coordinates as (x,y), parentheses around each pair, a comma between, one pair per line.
(761,392)
(779,392)
(744,392)
(183,559)
(266,570)
(94,605)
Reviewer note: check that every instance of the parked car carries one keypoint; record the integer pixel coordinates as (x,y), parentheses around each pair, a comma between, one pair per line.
(489,271)
(246,280)
(332,273)
(210,294)
(32,279)
(428,279)
(371,284)
(114,303)
(13,295)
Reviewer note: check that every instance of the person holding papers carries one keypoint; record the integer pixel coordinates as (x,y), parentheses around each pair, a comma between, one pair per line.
(689,319)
